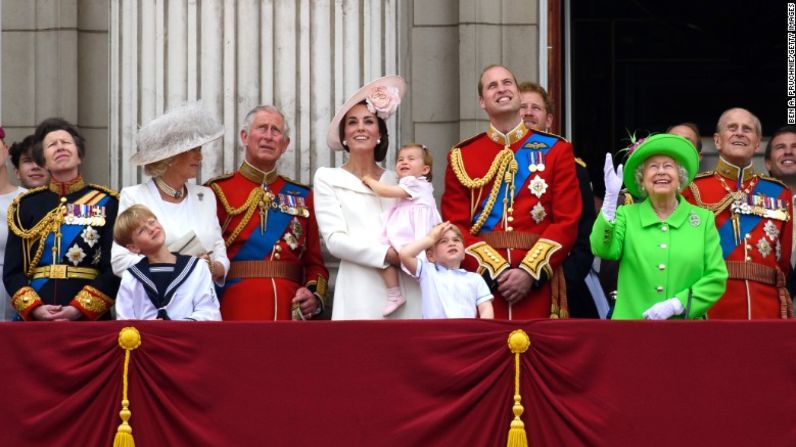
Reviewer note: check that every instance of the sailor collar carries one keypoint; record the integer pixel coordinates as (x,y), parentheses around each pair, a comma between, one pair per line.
(257,176)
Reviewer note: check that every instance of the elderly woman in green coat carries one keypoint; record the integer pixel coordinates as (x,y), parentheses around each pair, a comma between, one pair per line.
(670,261)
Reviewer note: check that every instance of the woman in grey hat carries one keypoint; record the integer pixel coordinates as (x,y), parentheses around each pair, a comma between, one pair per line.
(170,149)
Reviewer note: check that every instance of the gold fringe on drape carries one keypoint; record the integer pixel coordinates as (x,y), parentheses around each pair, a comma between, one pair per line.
(519,342)
(129,339)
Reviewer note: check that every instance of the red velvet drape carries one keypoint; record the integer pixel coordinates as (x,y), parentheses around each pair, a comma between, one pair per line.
(415,383)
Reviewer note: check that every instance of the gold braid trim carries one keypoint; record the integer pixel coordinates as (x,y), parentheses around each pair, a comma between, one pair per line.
(716,208)
(504,161)
(50,223)
(250,206)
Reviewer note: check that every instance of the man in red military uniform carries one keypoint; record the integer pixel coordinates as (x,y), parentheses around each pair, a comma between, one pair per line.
(269,226)
(514,194)
(753,215)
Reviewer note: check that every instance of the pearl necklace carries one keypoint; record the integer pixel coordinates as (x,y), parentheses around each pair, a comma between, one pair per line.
(168,190)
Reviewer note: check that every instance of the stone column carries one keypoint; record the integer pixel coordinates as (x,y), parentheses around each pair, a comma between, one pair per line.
(304,56)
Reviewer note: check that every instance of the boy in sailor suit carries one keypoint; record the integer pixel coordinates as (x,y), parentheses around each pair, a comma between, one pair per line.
(163,285)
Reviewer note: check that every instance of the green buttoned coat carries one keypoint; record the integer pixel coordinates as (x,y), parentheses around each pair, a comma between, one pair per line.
(661,260)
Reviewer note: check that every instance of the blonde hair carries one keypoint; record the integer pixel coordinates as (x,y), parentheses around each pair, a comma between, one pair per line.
(428,159)
(128,221)
(158,168)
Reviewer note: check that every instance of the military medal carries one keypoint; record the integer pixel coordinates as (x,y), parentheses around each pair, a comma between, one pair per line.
(538,213)
(764,247)
(295,228)
(760,205)
(771,230)
(291,240)
(536,161)
(538,186)
(90,236)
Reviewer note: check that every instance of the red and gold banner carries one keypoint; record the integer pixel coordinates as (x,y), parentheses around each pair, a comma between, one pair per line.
(412,383)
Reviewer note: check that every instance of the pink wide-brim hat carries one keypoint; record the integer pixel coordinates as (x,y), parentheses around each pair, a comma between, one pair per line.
(383,97)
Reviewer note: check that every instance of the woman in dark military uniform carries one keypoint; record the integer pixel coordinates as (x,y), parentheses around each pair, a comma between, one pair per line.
(57,259)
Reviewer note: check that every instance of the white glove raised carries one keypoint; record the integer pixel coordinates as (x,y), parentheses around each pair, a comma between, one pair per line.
(613,184)
(664,310)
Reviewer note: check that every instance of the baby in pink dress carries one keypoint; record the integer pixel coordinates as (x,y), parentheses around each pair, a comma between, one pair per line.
(413,216)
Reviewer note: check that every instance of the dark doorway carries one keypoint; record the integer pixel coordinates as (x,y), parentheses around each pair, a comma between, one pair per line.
(643,65)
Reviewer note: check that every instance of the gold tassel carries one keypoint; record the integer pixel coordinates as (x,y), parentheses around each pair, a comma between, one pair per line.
(129,339)
(519,342)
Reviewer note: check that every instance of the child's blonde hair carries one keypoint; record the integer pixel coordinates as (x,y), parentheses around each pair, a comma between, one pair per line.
(128,221)
(455,230)
(428,159)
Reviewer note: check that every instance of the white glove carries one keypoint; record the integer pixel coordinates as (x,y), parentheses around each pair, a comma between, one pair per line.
(664,310)
(613,184)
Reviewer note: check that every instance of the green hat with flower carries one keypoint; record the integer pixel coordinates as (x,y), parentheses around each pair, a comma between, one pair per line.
(674,146)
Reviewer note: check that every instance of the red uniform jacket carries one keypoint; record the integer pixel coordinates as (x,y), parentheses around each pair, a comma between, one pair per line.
(528,220)
(268,223)
(754,222)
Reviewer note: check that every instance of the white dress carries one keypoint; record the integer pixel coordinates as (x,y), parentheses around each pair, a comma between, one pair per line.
(350,218)
(197,212)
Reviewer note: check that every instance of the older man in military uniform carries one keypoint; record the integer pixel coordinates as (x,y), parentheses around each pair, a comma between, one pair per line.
(753,216)
(269,226)
(514,194)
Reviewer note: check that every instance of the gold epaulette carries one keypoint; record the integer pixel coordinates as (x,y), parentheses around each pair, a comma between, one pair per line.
(28,193)
(105,189)
(704,174)
(219,178)
(463,143)
(772,179)
(580,162)
(550,134)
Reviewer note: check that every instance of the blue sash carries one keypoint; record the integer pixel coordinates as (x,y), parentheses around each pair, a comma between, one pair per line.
(69,232)
(258,245)
(747,221)
(522,157)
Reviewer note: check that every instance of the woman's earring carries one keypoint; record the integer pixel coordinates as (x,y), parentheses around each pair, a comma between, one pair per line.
(345,143)
(378,141)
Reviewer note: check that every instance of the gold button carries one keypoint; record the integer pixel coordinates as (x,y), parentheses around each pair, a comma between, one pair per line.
(659,289)
(748,258)
(276,255)
(278,248)
(510,219)
(664,246)
(661,267)
(509,229)
(748,236)
(748,247)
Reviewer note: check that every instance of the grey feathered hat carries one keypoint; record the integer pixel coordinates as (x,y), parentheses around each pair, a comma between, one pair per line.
(177,131)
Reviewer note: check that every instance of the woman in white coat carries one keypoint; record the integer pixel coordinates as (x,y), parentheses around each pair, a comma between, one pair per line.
(170,149)
(350,216)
